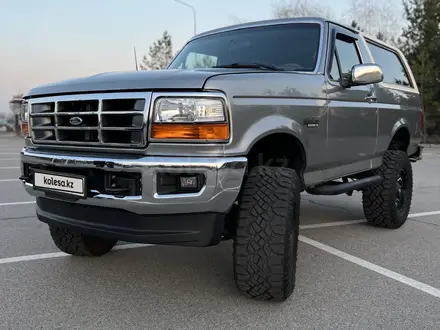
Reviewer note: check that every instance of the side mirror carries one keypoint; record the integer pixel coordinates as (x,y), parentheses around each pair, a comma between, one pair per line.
(365,74)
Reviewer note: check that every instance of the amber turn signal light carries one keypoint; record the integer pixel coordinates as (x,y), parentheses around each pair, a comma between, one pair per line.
(25,129)
(191,131)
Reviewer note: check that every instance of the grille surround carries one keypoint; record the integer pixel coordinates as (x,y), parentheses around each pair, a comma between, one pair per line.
(102,123)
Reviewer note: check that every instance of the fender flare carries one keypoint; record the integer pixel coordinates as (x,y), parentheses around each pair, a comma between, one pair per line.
(274,124)
(401,123)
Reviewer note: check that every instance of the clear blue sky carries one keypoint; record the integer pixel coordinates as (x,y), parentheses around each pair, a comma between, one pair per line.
(47,40)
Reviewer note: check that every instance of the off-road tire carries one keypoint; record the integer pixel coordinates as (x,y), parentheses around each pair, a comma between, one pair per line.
(266,241)
(380,201)
(78,244)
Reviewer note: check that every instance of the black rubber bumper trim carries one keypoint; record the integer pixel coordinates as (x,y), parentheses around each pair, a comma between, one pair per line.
(203,229)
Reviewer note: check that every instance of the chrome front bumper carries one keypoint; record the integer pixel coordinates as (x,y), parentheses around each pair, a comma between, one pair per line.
(224,177)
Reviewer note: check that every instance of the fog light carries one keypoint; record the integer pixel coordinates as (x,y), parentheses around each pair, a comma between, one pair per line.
(189,182)
(179,183)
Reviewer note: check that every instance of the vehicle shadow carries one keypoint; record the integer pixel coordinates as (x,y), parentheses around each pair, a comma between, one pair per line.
(323,209)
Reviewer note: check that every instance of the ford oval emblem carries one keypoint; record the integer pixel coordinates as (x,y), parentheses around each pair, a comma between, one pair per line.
(75,121)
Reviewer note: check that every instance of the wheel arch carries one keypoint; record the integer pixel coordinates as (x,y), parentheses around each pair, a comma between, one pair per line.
(270,150)
(400,136)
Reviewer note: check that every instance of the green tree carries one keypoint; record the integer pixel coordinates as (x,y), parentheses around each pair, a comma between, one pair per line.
(160,54)
(379,35)
(420,43)
(355,25)
(378,18)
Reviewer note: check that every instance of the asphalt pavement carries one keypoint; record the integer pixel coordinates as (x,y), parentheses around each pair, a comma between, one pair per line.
(350,275)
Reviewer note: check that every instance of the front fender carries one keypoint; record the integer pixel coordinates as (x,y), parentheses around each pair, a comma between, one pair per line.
(248,137)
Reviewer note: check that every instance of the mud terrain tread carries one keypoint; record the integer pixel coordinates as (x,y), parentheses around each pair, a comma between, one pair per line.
(78,244)
(378,200)
(265,247)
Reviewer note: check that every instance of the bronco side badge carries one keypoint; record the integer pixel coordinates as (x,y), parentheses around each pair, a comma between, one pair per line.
(311,122)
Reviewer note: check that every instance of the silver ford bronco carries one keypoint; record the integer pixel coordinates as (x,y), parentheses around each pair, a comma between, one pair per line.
(221,144)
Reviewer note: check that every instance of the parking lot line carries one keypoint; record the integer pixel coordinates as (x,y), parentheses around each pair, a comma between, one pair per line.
(52,255)
(9,153)
(423,214)
(376,268)
(9,180)
(9,159)
(332,224)
(9,168)
(343,255)
(17,203)
(353,222)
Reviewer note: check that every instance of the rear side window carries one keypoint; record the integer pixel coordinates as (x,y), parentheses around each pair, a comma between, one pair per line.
(393,70)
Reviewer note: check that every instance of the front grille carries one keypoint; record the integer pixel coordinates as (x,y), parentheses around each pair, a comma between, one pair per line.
(112,120)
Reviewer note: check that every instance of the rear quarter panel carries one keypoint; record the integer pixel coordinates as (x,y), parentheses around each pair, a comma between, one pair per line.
(398,107)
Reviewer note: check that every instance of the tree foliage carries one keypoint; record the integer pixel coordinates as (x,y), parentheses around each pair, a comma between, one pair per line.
(382,19)
(420,43)
(378,18)
(160,54)
(300,8)
(379,35)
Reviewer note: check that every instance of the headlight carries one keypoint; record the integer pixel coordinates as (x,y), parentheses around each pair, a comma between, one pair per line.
(24,113)
(188,110)
(24,116)
(189,118)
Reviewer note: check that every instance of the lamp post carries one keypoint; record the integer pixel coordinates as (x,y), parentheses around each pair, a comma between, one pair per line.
(194,13)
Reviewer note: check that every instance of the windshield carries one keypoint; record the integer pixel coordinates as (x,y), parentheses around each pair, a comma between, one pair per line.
(286,47)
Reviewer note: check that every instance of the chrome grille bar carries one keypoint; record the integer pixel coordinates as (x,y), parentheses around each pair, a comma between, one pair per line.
(104,119)
(57,137)
(99,121)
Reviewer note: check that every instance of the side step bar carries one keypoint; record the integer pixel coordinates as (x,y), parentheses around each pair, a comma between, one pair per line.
(338,188)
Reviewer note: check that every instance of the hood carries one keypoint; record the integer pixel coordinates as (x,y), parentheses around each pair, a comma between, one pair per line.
(138,80)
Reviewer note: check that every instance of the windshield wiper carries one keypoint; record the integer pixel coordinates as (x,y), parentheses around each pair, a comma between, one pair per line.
(251,65)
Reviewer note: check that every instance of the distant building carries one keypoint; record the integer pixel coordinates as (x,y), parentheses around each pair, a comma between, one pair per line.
(15,107)
(15,104)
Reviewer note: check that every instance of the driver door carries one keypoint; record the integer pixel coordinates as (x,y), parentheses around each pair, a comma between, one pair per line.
(353,111)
